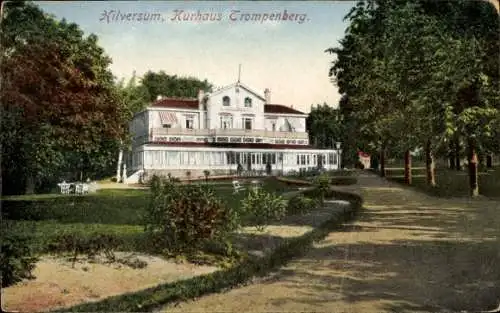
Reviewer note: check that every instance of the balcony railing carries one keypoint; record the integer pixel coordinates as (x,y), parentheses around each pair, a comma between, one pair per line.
(180,132)
(228,133)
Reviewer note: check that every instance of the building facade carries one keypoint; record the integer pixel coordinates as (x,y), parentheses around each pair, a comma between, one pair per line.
(230,129)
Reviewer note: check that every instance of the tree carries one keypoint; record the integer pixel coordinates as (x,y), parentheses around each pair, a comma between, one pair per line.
(420,74)
(162,84)
(324,125)
(58,93)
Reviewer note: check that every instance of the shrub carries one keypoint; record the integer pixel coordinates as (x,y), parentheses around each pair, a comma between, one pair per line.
(261,207)
(113,179)
(300,204)
(343,181)
(90,245)
(322,186)
(181,218)
(16,257)
(207,174)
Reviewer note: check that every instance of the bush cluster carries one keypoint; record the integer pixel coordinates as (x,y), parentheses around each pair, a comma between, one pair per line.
(182,218)
(91,245)
(17,260)
(322,186)
(261,207)
(300,204)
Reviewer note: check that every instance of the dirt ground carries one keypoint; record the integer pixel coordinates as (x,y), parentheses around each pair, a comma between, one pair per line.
(408,252)
(57,284)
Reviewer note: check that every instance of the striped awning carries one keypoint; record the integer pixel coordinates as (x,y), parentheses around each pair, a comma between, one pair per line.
(168,118)
(290,127)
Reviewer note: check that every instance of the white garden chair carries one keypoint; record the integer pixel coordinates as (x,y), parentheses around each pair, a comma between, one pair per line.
(80,189)
(237,187)
(85,188)
(64,187)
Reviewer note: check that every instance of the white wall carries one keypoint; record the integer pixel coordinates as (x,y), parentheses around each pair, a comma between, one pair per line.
(237,108)
(298,122)
(182,115)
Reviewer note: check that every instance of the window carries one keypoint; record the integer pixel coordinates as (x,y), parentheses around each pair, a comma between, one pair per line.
(303,159)
(248,102)
(226,101)
(247,123)
(167,125)
(298,159)
(308,160)
(226,122)
(332,159)
(189,123)
(273,126)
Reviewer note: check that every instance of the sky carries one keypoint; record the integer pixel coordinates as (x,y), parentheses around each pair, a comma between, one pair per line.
(286,56)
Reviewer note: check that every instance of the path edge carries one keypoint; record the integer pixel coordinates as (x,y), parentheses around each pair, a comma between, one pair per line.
(149,299)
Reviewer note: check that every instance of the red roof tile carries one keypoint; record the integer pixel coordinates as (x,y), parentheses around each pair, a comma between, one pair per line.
(177,103)
(234,145)
(278,108)
(192,104)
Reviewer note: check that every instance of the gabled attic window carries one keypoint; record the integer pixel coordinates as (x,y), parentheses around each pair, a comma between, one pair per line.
(248,102)
(226,101)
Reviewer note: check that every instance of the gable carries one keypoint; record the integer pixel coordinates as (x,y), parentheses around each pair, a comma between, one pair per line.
(239,85)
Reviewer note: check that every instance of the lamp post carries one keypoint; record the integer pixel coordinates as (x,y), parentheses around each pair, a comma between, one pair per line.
(337,146)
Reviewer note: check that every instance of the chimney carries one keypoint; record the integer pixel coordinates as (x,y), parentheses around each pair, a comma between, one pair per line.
(267,95)
(201,94)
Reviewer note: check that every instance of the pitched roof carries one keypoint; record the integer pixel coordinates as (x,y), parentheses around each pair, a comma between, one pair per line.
(192,104)
(280,109)
(177,103)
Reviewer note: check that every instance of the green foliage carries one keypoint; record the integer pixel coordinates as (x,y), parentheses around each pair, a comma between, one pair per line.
(300,204)
(322,186)
(162,84)
(91,246)
(207,174)
(152,298)
(262,207)
(343,181)
(324,125)
(73,120)
(105,207)
(185,217)
(17,260)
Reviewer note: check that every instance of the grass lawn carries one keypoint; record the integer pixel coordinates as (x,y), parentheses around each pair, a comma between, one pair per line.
(117,212)
(450,183)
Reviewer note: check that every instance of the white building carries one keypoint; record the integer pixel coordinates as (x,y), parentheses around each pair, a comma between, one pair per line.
(216,132)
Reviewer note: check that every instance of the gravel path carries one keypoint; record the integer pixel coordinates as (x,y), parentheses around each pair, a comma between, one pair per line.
(408,252)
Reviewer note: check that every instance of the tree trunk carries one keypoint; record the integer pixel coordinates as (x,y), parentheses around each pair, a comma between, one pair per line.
(119,166)
(451,156)
(473,177)
(408,177)
(429,165)
(382,161)
(457,154)
(30,185)
(489,161)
